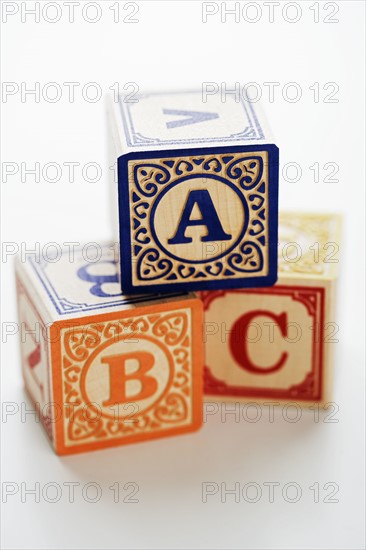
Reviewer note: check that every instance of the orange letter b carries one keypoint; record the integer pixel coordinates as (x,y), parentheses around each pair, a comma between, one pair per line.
(118,377)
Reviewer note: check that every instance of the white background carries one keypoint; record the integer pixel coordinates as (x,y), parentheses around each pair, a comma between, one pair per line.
(170,47)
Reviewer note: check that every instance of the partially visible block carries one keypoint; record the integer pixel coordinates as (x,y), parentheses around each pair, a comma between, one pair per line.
(276,344)
(197,191)
(103,368)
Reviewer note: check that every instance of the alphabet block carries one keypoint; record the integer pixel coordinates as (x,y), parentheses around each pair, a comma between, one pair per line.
(276,344)
(197,192)
(104,368)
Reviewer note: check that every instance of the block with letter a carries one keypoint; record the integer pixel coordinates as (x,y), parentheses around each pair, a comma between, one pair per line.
(276,344)
(197,192)
(104,368)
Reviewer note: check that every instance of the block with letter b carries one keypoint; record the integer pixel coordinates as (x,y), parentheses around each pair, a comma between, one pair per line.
(197,192)
(277,344)
(104,368)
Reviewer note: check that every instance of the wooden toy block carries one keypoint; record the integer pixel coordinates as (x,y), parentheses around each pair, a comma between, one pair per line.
(276,344)
(197,192)
(104,368)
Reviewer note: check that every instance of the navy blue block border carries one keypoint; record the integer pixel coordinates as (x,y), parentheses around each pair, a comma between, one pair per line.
(125,221)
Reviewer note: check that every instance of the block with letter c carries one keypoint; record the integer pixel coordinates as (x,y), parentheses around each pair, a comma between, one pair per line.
(277,344)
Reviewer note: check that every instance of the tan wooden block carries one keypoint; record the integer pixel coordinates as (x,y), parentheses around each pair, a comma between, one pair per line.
(277,344)
(106,369)
(197,192)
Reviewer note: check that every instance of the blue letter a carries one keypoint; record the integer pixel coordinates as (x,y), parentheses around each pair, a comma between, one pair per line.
(209,218)
(192,117)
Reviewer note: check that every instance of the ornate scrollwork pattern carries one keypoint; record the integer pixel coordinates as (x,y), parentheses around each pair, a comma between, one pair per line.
(246,173)
(86,422)
(308,243)
(148,177)
(173,410)
(151,265)
(249,259)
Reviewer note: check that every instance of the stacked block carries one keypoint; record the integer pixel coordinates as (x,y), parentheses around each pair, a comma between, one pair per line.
(103,368)
(276,344)
(106,359)
(197,192)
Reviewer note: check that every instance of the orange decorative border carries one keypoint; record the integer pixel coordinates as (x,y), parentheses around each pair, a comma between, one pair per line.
(74,342)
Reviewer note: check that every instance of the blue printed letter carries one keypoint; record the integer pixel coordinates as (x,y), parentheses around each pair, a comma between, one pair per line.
(209,218)
(192,117)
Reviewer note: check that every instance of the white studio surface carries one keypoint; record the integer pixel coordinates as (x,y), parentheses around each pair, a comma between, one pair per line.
(170,47)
